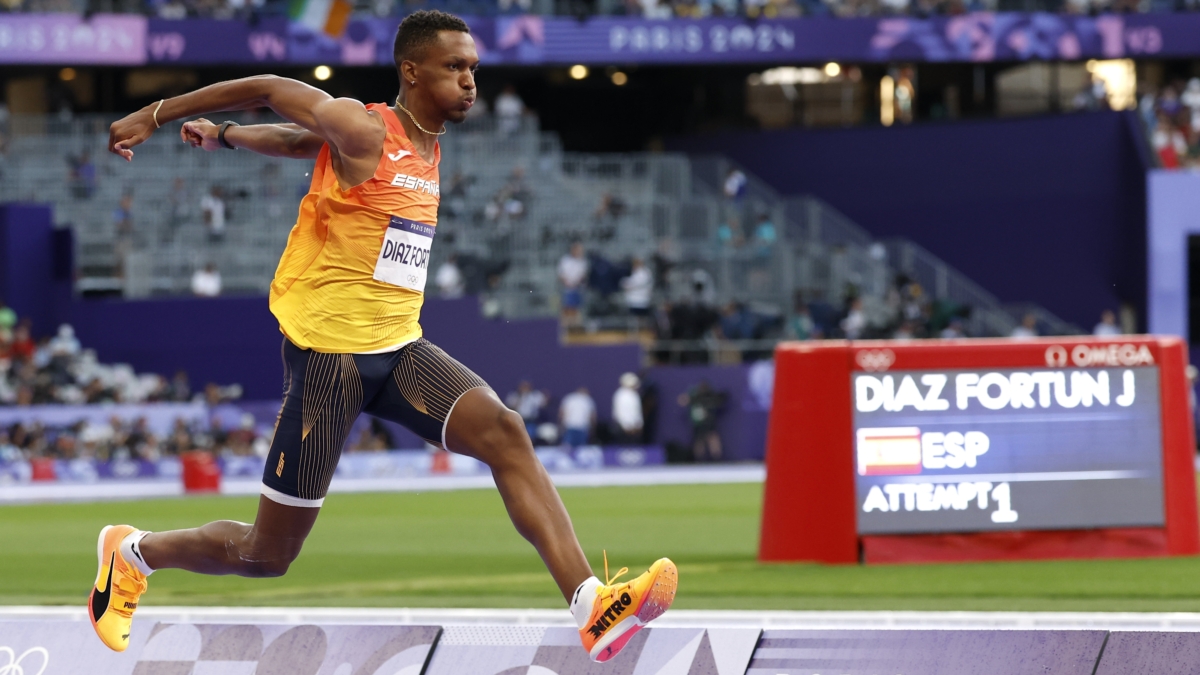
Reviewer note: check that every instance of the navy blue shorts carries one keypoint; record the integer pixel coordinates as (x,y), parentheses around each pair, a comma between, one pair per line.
(416,386)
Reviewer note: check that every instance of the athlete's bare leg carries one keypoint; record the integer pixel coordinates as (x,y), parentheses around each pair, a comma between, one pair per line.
(264,549)
(482,427)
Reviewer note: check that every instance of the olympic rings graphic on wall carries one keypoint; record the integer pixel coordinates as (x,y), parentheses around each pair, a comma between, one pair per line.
(14,665)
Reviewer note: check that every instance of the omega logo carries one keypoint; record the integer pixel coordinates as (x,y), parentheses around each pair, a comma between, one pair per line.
(1056,356)
(1085,355)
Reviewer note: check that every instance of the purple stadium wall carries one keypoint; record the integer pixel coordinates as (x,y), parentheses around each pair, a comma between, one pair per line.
(236,339)
(743,424)
(1049,210)
(36,264)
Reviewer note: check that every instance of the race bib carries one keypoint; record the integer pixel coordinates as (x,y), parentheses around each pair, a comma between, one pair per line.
(404,256)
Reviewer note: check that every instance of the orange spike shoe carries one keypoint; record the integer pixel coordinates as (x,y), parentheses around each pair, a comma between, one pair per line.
(118,587)
(621,610)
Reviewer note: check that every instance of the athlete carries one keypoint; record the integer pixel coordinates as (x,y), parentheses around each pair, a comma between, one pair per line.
(347,294)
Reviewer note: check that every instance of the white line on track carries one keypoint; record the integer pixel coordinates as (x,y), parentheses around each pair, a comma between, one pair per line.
(1161,621)
(1043,476)
(146,489)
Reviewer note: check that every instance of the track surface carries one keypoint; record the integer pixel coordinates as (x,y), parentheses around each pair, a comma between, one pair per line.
(773,619)
(458,549)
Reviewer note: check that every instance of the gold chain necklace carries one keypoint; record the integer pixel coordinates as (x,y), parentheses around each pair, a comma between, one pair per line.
(414,120)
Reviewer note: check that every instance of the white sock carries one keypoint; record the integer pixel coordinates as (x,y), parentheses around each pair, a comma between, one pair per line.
(583,601)
(131,553)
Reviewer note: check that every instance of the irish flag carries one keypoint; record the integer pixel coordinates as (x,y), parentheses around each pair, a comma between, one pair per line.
(324,16)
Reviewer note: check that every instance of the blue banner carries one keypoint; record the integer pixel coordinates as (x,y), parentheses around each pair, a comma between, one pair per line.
(541,40)
(977,37)
(72,39)
(209,41)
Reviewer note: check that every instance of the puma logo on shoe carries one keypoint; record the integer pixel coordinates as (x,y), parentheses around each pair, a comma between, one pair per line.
(101,597)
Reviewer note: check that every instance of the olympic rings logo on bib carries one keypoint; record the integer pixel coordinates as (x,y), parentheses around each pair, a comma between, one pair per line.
(404,254)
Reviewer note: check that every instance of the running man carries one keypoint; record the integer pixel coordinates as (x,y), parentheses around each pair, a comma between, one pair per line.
(347,294)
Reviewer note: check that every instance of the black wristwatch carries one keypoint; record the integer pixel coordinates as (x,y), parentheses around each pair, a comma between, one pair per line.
(221,134)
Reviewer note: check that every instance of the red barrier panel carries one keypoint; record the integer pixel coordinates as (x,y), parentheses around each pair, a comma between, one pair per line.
(808,509)
(201,473)
(883,451)
(441,462)
(43,469)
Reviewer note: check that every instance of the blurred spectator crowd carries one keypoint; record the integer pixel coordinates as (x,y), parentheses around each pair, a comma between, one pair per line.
(905,312)
(576,422)
(688,326)
(572,420)
(665,9)
(58,370)
(633,420)
(674,304)
(1172,118)
(121,439)
(657,9)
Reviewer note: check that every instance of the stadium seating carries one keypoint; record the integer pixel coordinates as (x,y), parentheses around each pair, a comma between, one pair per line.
(665,203)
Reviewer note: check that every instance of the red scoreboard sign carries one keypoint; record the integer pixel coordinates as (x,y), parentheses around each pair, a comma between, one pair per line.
(882,451)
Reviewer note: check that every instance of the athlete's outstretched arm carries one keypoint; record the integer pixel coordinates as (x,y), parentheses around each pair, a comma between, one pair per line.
(272,140)
(342,122)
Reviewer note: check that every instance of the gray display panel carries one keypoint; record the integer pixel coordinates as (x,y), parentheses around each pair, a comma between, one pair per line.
(991,449)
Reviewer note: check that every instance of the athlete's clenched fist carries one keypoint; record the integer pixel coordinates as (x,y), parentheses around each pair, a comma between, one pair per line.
(131,130)
(200,133)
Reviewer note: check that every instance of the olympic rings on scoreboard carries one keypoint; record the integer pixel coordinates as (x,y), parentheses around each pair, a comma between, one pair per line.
(875,360)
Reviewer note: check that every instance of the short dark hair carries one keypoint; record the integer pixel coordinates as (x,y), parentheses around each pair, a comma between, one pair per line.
(420,29)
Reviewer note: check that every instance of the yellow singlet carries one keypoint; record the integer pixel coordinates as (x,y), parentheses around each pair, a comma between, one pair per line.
(352,277)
